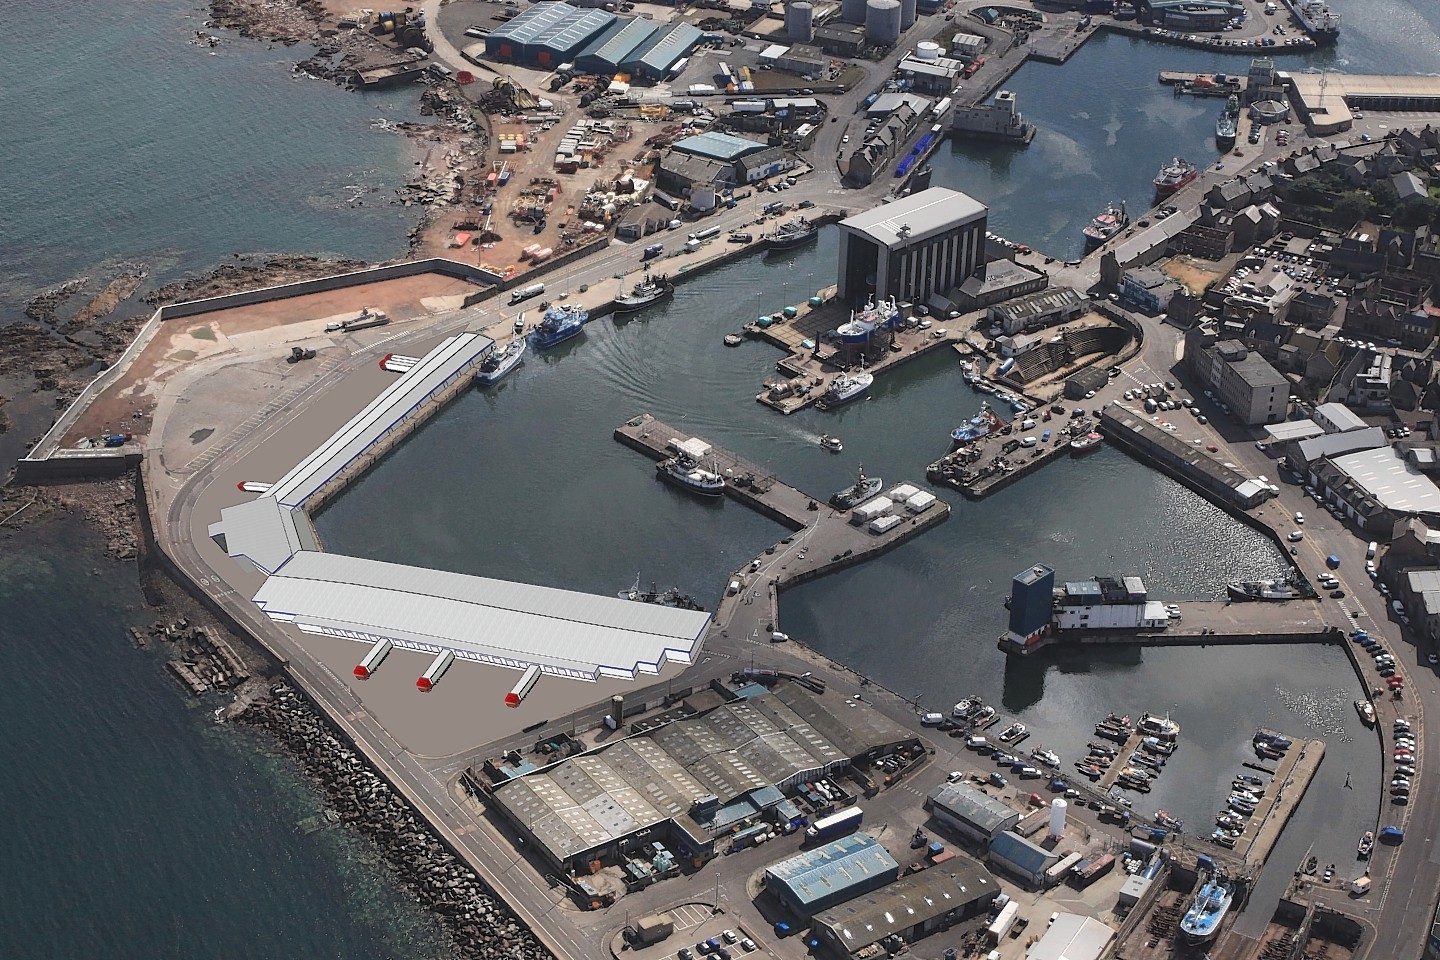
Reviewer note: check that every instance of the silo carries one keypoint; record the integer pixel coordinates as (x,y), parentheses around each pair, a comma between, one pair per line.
(926,49)
(907,14)
(800,22)
(882,22)
(1057,817)
(852,11)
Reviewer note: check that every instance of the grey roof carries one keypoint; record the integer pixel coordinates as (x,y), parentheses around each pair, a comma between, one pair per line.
(898,906)
(1021,853)
(264,532)
(926,213)
(665,47)
(980,809)
(739,747)
(1390,480)
(1340,416)
(1129,251)
(1256,371)
(557,25)
(1039,304)
(1293,430)
(939,67)
(718,146)
(492,621)
(412,390)
(1334,444)
(618,41)
(826,871)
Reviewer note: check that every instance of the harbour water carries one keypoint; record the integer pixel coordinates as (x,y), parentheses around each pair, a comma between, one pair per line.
(145,831)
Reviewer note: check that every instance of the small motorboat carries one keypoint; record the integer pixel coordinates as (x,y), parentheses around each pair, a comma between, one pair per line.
(733,339)
(1166,820)
(1310,866)
(1367,843)
(1329,874)
(830,443)
(1047,757)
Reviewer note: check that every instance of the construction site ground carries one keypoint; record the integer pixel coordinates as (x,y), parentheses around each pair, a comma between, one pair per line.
(251,331)
(1194,275)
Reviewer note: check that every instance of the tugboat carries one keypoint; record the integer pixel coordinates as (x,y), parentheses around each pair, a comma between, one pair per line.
(852,496)
(1106,225)
(649,290)
(830,443)
(792,234)
(1173,176)
(559,324)
(689,475)
(501,362)
(845,388)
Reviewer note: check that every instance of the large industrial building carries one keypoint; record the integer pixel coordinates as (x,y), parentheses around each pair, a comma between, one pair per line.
(677,779)
(920,245)
(1027,862)
(514,625)
(910,908)
(547,34)
(595,41)
(831,874)
(975,815)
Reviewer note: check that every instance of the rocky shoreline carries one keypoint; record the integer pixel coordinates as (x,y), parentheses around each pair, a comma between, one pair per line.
(480,924)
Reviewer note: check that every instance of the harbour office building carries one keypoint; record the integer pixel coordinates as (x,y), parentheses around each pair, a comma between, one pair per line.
(927,243)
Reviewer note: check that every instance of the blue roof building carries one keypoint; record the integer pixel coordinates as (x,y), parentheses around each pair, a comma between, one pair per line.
(605,53)
(831,874)
(717,146)
(1013,854)
(655,57)
(547,34)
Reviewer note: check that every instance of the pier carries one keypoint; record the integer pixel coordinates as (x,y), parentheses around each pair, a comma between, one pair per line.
(830,534)
(1204,623)
(810,364)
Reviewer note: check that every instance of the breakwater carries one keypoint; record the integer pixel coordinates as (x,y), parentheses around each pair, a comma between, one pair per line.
(479,922)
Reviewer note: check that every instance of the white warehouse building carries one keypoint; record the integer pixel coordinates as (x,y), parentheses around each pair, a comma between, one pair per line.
(514,625)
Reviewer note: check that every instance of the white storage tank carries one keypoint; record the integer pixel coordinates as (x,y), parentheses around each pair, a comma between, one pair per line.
(1057,817)
(922,501)
(871,509)
(903,492)
(882,524)
(800,22)
(852,11)
(882,22)
(907,14)
(927,50)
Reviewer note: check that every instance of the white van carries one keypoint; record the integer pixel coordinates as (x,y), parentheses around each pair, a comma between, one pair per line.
(733,589)
(1370,551)
(1027,442)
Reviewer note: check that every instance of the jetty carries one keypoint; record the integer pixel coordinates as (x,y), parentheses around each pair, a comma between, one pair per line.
(1204,623)
(823,539)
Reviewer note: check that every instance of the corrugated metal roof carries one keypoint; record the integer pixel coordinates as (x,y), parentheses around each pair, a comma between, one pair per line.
(661,51)
(557,25)
(898,906)
(827,871)
(479,618)
(618,41)
(925,213)
(981,810)
(718,146)
(1021,853)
